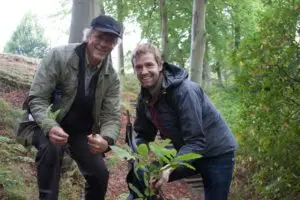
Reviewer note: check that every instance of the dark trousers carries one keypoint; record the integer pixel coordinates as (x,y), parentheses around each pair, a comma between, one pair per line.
(49,160)
(216,173)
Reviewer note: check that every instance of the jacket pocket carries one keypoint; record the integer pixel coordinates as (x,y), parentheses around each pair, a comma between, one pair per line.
(24,131)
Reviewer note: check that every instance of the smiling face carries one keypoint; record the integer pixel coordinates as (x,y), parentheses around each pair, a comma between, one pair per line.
(147,70)
(99,45)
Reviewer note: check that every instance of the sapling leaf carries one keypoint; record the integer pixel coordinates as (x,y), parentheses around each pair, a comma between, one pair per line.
(123,154)
(139,166)
(143,150)
(146,179)
(152,166)
(133,188)
(187,157)
(165,159)
(166,167)
(148,192)
(153,160)
(50,114)
(163,143)
(176,164)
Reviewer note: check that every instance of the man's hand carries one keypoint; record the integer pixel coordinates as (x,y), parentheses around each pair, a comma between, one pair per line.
(97,144)
(164,178)
(58,136)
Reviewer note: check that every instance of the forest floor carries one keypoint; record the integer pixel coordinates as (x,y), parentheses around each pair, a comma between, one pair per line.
(117,188)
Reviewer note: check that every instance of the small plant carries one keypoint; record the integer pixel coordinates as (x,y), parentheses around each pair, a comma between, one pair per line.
(153,160)
(8,114)
(51,114)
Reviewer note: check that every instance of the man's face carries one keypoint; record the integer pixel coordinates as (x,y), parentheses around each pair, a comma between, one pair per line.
(147,70)
(100,44)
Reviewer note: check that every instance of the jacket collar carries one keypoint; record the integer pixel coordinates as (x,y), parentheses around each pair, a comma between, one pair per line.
(80,52)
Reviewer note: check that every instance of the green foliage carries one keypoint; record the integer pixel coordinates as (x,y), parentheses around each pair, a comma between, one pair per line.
(16,176)
(72,184)
(130,84)
(7,114)
(269,88)
(147,15)
(122,153)
(228,102)
(129,89)
(52,114)
(28,39)
(5,181)
(123,196)
(15,161)
(18,73)
(226,25)
(153,159)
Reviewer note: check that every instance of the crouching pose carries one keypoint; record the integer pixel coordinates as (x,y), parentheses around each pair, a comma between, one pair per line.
(179,109)
(80,81)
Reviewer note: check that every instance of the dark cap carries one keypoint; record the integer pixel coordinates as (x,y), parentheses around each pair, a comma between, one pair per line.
(107,24)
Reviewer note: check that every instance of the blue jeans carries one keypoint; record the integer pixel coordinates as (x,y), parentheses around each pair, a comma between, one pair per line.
(216,173)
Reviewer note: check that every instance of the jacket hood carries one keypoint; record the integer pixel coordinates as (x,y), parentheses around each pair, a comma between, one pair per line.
(173,75)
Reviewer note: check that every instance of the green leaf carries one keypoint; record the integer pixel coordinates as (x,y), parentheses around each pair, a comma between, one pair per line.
(133,188)
(187,157)
(146,179)
(123,154)
(4,139)
(50,114)
(143,150)
(176,164)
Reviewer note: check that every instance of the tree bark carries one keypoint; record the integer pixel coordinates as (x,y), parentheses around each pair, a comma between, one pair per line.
(219,73)
(164,29)
(198,40)
(120,17)
(237,38)
(206,68)
(101,4)
(83,11)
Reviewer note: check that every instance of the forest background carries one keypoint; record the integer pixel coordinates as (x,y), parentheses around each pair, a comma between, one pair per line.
(245,54)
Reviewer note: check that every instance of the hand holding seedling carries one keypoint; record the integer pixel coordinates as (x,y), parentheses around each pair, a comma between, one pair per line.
(58,136)
(97,144)
(164,178)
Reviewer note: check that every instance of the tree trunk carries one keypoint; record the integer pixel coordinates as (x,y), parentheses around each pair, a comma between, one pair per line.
(206,68)
(198,40)
(218,70)
(164,29)
(237,39)
(121,58)
(101,4)
(83,11)
(120,13)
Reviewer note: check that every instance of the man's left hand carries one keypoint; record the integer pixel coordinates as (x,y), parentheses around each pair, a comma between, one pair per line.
(97,144)
(164,178)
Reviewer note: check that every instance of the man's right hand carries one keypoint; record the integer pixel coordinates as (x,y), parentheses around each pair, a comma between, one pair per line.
(58,136)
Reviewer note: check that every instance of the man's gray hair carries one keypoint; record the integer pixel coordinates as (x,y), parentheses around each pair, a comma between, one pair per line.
(86,34)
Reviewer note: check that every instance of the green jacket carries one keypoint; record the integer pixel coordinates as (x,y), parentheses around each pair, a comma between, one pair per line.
(60,67)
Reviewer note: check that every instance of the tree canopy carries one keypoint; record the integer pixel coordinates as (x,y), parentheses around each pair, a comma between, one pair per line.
(28,38)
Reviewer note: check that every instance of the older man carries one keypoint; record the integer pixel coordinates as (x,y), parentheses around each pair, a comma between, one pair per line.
(79,80)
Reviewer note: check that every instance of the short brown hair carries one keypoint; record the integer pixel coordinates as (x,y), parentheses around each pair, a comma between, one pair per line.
(145,48)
